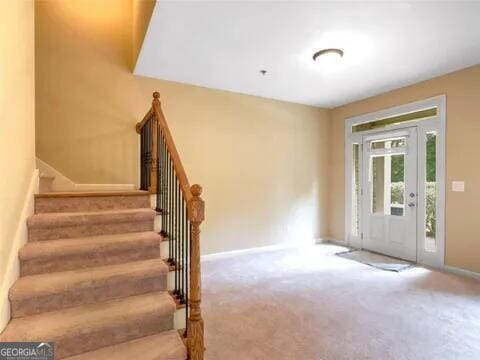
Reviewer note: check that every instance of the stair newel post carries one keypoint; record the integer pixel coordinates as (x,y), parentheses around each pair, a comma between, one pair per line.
(196,213)
(155,133)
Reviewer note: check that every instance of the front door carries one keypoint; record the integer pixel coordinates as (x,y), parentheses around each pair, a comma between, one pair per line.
(390,193)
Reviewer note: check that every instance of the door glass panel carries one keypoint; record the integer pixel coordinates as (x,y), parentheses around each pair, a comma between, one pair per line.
(397,185)
(388,144)
(431,193)
(356,189)
(388,184)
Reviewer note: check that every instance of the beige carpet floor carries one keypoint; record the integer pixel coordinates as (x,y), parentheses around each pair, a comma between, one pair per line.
(309,304)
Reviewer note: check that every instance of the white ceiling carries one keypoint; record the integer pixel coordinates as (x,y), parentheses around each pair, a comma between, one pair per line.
(224,45)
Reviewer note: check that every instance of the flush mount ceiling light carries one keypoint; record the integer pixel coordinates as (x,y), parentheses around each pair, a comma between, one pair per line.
(328,56)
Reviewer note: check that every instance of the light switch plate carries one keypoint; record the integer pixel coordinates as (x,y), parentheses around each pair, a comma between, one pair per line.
(458,186)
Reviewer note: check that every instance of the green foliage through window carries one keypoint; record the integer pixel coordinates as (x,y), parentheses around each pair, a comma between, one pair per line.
(431,157)
(397,168)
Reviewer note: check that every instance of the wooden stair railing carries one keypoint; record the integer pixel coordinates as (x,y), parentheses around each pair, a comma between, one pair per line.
(182,212)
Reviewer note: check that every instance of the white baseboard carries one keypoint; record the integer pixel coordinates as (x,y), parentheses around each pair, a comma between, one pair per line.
(232,253)
(12,271)
(461,272)
(328,240)
(444,268)
(63,183)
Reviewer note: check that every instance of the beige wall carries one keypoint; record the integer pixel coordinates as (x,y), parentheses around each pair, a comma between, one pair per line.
(141,13)
(462,89)
(18,178)
(17,123)
(262,163)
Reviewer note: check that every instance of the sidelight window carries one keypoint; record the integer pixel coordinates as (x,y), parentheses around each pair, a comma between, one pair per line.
(431,192)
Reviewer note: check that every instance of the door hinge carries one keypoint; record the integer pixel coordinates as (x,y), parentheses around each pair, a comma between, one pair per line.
(361,235)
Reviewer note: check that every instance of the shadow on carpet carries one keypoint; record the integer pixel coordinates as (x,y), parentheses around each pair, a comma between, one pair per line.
(376,260)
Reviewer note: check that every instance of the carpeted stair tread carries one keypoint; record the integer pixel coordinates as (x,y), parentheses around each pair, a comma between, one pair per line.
(58,194)
(90,327)
(58,202)
(47,220)
(68,254)
(166,345)
(51,226)
(61,247)
(45,284)
(53,291)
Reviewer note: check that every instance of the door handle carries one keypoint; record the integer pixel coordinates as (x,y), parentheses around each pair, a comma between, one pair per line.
(412,204)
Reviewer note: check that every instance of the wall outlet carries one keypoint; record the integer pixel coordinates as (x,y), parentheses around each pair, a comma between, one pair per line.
(458,186)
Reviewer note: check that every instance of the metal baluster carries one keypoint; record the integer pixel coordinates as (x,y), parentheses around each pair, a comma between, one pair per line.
(145,158)
(159,173)
(185,242)
(142,159)
(170,211)
(164,192)
(180,241)
(189,255)
(162,185)
(150,149)
(182,236)
(174,215)
(148,154)
(166,207)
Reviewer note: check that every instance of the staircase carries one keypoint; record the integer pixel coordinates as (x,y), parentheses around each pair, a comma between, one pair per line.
(93,280)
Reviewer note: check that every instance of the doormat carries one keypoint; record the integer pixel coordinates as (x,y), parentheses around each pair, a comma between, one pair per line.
(376,260)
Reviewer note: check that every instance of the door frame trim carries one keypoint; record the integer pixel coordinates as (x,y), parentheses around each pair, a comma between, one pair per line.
(436,123)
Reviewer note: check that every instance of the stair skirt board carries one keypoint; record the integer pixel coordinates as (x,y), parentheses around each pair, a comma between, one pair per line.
(53,180)
(19,239)
(93,280)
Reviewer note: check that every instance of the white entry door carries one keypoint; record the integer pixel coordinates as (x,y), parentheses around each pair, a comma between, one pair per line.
(390,193)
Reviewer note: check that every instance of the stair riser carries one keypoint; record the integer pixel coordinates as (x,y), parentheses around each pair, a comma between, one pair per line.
(88,295)
(73,231)
(164,346)
(90,203)
(73,344)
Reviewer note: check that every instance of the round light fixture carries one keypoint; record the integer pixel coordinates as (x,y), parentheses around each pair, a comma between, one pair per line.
(328,55)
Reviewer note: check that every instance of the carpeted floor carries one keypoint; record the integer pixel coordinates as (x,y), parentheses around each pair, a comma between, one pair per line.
(306,304)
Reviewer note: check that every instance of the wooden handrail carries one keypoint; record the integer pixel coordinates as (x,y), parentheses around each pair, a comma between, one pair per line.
(195,215)
(142,123)
(172,149)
